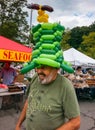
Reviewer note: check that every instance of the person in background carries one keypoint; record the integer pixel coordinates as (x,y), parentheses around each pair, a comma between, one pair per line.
(8,74)
(78,71)
(51,102)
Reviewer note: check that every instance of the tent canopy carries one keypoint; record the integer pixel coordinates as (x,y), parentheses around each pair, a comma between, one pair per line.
(77,58)
(13,51)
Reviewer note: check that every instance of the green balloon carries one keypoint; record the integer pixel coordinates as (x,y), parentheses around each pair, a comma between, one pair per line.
(53,57)
(47,26)
(28,68)
(48,46)
(48,51)
(48,62)
(47,37)
(47,32)
(35,28)
(67,68)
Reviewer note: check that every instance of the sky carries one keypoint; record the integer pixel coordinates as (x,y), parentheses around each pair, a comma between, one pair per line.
(70,13)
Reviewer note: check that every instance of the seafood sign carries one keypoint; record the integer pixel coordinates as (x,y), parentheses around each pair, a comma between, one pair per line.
(15,56)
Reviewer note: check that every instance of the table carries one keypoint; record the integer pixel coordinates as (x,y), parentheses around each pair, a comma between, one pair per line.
(86,92)
(10,93)
(15,99)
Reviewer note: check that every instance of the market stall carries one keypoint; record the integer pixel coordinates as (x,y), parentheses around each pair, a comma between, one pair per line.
(15,94)
(13,51)
(84,85)
(77,58)
(85,89)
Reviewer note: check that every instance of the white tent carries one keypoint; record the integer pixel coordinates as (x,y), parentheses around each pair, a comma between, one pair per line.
(77,58)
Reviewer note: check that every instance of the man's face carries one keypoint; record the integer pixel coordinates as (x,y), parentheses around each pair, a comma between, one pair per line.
(46,74)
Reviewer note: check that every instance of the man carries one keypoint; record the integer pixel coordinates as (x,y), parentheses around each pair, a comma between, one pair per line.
(51,103)
(8,74)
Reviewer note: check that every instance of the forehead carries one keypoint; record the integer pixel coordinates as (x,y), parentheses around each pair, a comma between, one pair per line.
(46,69)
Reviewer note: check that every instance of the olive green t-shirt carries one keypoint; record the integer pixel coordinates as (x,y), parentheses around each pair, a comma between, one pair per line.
(50,105)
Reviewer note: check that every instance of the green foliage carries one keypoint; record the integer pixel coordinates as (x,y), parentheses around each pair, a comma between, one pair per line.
(88,45)
(6,30)
(81,38)
(76,36)
(64,42)
(92,27)
(13,19)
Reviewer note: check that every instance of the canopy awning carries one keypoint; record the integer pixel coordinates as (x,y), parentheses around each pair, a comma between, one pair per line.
(13,51)
(77,58)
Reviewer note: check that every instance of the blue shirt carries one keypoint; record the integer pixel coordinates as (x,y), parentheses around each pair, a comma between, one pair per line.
(8,75)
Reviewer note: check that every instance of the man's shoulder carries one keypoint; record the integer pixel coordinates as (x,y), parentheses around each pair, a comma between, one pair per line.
(34,77)
(64,81)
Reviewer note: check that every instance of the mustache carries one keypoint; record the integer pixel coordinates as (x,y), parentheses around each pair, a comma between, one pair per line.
(41,74)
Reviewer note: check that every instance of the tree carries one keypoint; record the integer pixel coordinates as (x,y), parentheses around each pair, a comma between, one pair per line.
(88,45)
(76,36)
(92,27)
(13,22)
(64,42)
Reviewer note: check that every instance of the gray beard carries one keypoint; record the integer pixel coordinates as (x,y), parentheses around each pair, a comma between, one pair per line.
(47,79)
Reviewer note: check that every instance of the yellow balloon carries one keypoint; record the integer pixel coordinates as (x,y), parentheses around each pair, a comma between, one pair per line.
(42,17)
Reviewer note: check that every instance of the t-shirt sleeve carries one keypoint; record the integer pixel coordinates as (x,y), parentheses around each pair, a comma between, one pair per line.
(70,102)
(28,88)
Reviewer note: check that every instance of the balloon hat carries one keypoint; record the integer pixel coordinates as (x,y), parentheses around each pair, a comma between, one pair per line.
(47,38)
